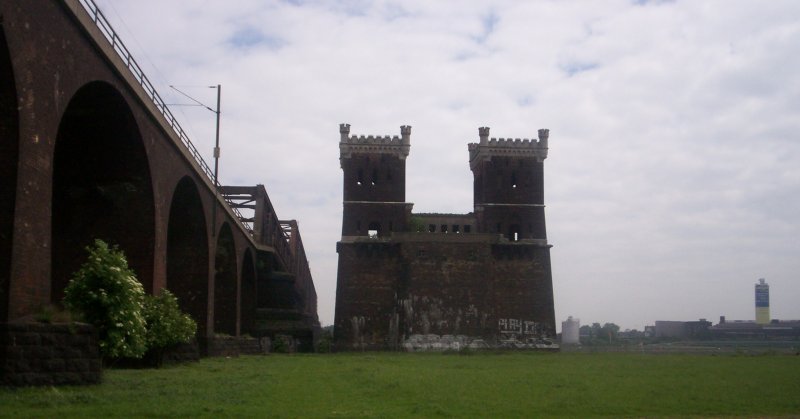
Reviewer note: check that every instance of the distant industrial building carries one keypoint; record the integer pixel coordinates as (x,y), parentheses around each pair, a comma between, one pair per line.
(682,330)
(763,328)
(727,329)
(748,329)
(570,331)
(762,302)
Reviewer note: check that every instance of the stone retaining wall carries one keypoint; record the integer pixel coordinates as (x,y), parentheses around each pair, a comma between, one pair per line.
(232,346)
(182,352)
(33,354)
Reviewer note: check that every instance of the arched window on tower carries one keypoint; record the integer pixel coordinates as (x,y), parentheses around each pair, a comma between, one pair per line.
(374,230)
(360,177)
(514,233)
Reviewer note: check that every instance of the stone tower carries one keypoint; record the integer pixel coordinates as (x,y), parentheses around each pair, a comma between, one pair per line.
(374,182)
(436,281)
(509,185)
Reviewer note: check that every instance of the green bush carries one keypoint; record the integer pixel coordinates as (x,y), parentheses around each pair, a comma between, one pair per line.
(416,225)
(105,293)
(167,325)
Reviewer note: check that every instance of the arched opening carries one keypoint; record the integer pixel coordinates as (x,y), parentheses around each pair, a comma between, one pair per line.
(249,294)
(187,253)
(360,177)
(101,186)
(225,283)
(9,159)
(374,230)
(514,233)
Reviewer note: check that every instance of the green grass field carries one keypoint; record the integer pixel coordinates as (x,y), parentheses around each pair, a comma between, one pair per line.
(433,385)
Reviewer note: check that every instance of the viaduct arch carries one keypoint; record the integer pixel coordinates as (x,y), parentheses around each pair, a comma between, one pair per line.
(225,282)
(9,145)
(88,149)
(248,295)
(187,252)
(101,186)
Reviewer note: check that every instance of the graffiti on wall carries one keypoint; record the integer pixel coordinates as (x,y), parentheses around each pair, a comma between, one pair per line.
(512,334)
(522,334)
(432,342)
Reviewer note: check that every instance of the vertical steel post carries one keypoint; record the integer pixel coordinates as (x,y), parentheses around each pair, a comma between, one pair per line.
(216,168)
(216,145)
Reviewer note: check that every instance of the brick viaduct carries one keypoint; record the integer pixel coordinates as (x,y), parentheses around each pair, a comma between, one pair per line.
(89,150)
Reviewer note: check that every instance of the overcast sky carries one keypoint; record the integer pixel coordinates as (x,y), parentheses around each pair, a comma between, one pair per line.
(673,178)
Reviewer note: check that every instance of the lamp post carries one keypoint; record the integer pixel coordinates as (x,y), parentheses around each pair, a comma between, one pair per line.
(198,103)
(216,146)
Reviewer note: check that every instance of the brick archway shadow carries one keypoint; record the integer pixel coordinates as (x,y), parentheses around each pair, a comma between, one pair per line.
(187,253)
(101,185)
(9,159)
(249,294)
(225,283)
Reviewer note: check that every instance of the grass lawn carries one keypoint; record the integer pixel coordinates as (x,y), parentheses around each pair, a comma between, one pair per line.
(433,385)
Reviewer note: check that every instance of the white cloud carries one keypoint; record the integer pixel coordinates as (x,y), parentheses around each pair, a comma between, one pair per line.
(672,183)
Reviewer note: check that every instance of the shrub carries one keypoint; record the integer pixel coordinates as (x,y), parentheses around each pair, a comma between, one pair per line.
(167,325)
(416,225)
(105,293)
(325,342)
(282,344)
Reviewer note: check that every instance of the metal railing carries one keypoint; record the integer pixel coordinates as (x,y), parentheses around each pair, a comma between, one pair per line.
(119,47)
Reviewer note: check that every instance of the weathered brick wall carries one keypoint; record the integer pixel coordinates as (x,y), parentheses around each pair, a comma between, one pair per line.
(357,218)
(523,288)
(47,354)
(448,286)
(443,293)
(529,220)
(510,180)
(232,346)
(383,177)
(366,295)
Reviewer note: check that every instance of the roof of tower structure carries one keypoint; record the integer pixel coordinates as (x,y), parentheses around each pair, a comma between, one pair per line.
(486,148)
(385,144)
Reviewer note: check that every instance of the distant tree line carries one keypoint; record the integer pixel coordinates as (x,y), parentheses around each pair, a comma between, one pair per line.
(596,334)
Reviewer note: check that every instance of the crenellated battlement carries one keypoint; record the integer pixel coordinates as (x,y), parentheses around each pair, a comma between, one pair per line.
(373,139)
(383,144)
(486,148)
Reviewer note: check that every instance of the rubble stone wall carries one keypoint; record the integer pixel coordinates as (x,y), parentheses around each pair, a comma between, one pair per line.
(35,354)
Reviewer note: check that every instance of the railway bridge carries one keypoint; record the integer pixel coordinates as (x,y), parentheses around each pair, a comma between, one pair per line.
(88,149)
